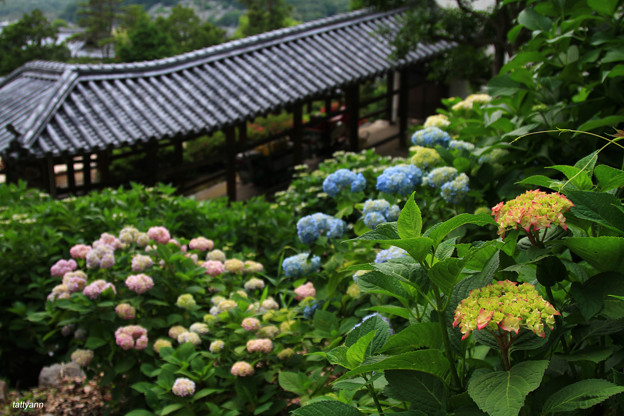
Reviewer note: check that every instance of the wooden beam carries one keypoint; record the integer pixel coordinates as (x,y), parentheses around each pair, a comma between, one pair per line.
(230,162)
(297,132)
(403,107)
(352,97)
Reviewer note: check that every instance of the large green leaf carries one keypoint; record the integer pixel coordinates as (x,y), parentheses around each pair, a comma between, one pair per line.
(604,253)
(360,350)
(327,408)
(374,323)
(377,282)
(423,391)
(599,207)
(502,393)
(601,122)
(415,336)
(295,382)
(581,395)
(608,177)
(605,7)
(428,361)
(444,273)
(576,176)
(438,232)
(409,224)
(532,20)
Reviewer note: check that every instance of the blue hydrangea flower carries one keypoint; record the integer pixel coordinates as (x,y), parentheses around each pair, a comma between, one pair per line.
(311,227)
(431,137)
(300,265)
(308,311)
(343,179)
(439,176)
(389,254)
(455,190)
(401,179)
(461,145)
(377,211)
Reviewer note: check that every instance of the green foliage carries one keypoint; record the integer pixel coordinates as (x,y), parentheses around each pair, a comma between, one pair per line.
(262,16)
(28,40)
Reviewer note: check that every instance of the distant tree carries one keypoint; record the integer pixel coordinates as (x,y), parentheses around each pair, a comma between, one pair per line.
(138,38)
(98,17)
(187,30)
(263,15)
(474,30)
(33,37)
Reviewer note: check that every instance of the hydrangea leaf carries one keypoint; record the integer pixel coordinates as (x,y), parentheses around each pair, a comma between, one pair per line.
(409,224)
(581,395)
(444,274)
(360,350)
(296,382)
(376,282)
(338,355)
(428,361)
(604,253)
(327,408)
(419,335)
(374,323)
(502,393)
(423,391)
(440,231)
(608,177)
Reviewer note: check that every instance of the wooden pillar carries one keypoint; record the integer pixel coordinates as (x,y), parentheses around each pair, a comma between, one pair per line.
(390,97)
(326,134)
(86,173)
(297,132)
(230,162)
(178,155)
(242,135)
(71,176)
(103,165)
(352,97)
(403,107)
(50,176)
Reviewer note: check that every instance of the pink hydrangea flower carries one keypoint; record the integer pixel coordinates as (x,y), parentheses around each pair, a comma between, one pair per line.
(59,292)
(532,211)
(79,251)
(183,387)
(250,324)
(75,281)
(63,266)
(141,262)
(253,267)
(128,235)
(305,291)
(191,337)
(139,283)
(269,304)
(159,234)
(125,311)
(213,267)
(95,289)
(242,369)
(109,240)
(101,256)
(264,345)
(131,336)
(201,243)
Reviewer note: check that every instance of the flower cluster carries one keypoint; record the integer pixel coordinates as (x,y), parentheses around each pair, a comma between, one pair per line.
(400,179)
(343,179)
(439,176)
(201,244)
(504,306)
(125,311)
(82,357)
(234,266)
(311,227)
(199,328)
(162,343)
(159,234)
(188,336)
(95,289)
(389,254)
(216,255)
(305,291)
(141,262)
(79,251)
(102,256)
(131,336)
(532,211)
(377,211)
(425,157)
(439,120)
(242,369)
(300,265)
(139,283)
(183,387)
(472,99)
(431,137)
(250,324)
(63,266)
(461,145)
(75,281)
(254,284)
(454,191)
(186,301)
(252,267)
(213,267)
(216,346)
(264,345)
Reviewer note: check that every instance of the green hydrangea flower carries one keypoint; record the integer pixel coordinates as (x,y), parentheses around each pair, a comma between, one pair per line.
(505,306)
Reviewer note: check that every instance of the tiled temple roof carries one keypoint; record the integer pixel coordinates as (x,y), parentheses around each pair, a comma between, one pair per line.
(53,109)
